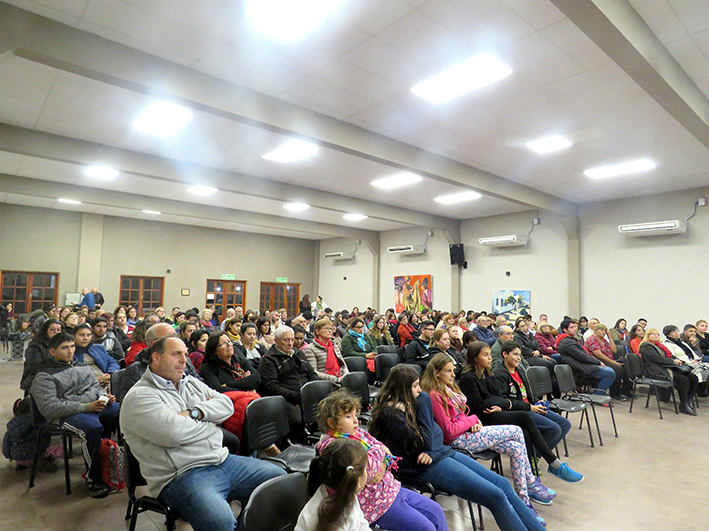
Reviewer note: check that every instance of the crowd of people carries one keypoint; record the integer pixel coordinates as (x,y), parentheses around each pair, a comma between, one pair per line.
(461,387)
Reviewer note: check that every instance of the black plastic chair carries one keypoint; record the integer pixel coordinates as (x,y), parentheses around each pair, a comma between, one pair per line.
(387,349)
(567,386)
(275,504)
(311,394)
(116,379)
(635,373)
(136,506)
(356,363)
(266,423)
(383,363)
(50,429)
(540,382)
(356,382)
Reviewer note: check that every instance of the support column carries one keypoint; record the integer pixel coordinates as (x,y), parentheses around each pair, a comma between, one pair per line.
(573,259)
(90,251)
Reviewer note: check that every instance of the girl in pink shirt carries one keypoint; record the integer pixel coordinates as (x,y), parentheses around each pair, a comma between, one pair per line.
(383,500)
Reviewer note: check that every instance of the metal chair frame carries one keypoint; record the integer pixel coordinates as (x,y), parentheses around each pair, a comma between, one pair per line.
(635,373)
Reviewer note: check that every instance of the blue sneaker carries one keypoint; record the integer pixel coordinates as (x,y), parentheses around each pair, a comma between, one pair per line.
(565,473)
(536,514)
(540,494)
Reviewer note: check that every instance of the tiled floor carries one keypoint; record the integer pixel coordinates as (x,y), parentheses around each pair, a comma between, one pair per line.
(652,478)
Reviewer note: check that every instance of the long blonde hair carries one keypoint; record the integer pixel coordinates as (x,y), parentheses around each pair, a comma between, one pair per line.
(431,381)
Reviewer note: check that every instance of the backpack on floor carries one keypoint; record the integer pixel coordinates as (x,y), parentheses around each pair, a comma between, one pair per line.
(111,458)
(20,437)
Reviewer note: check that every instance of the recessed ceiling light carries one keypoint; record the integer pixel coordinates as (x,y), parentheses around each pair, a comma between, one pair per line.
(69,201)
(354,217)
(548,144)
(395,181)
(101,172)
(625,168)
(475,73)
(457,197)
(296,207)
(288,20)
(154,212)
(203,191)
(291,151)
(162,118)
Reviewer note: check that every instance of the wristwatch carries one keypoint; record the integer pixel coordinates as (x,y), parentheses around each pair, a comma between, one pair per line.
(195,413)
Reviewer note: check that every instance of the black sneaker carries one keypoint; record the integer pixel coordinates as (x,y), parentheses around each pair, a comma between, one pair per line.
(96,489)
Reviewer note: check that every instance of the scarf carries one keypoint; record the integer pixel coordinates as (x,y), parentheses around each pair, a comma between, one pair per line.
(332,364)
(390,460)
(663,348)
(361,343)
(623,334)
(233,368)
(685,348)
(234,337)
(459,400)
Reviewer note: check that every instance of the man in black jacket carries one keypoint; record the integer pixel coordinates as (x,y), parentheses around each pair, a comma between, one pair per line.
(284,370)
(574,355)
(417,352)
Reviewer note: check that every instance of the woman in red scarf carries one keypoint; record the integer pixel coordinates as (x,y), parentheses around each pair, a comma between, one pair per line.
(324,354)
(662,365)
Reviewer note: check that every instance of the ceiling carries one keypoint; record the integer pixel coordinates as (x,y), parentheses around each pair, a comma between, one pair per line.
(622,80)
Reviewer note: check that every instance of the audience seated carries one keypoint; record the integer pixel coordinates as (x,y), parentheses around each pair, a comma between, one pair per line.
(440,343)
(574,354)
(120,329)
(99,336)
(683,352)
(224,370)
(689,336)
(93,355)
(416,352)
(249,345)
(37,351)
(703,337)
(503,334)
(482,331)
(531,351)
(357,342)
(604,349)
(137,341)
(547,340)
(196,347)
(619,331)
(185,331)
(636,335)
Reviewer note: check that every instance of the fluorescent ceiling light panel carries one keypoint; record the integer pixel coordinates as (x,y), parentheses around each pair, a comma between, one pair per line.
(396,181)
(625,168)
(69,201)
(296,207)
(203,191)
(101,172)
(154,212)
(457,198)
(549,144)
(291,151)
(354,217)
(288,20)
(475,73)
(162,118)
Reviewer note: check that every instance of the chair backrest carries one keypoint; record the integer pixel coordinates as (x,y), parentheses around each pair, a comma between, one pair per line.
(265,423)
(134,478)
(275,504)
(540,381)
(635,365)
(310,396)
(356,363)
(387,349)
(116,379)
(357,383)
(565,378)
(383,363)
(417,368)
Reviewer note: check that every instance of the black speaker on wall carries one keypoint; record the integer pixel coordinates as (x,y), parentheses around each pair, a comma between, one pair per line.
(457,251)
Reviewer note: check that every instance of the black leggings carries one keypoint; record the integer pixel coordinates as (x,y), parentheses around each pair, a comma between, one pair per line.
(686,385)
(532,436)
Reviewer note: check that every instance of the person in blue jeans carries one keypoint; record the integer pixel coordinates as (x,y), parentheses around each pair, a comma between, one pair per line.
(402,418)
(514,386)
(169,420)
(574,354)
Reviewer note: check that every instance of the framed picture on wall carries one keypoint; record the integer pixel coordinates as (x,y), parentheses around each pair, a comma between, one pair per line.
(511,303)
(413,293)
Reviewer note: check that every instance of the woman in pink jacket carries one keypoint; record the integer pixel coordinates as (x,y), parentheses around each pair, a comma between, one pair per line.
(547,341)
(461,429)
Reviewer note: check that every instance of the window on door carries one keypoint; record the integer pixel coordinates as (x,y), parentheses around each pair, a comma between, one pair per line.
(275,295)
(225,294)
(29,290)
(143,293)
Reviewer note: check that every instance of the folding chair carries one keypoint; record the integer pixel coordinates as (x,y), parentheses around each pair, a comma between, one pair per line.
(275,504)
(635,373)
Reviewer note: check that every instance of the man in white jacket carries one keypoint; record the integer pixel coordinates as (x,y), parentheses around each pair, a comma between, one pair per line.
(169,421)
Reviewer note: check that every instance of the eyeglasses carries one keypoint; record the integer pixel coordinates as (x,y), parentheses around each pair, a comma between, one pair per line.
(428,329)
(225,344)
(358,326)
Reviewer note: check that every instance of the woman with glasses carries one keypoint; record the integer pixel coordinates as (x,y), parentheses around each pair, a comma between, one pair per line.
(223,370)
(324,354)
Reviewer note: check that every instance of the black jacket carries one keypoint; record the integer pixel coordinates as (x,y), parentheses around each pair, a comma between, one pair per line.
(655,363)
(241,349)
(220,378)
(112,346)
(510,390)
(455,356)
(284,375)
(416,353)
(36,355)
(574,355)
(528,344)
(482,393)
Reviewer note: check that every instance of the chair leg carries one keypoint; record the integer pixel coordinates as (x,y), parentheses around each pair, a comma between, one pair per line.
(66,436)
(472,515)
(588,425)
(649,390)
(674,400)
(566,449)
(595,418)
(657,397)
(71,447)
(170,523)
(632,397)
(480,514)
(134,516)
(615,430)
(36,457)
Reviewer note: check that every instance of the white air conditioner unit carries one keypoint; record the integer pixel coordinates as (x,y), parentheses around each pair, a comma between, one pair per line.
(407,249)
(654,228)
(339,256)
(511,240)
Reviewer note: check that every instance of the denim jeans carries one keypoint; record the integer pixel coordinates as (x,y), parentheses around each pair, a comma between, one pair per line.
(95,426)
(467,479)
(202,495)
(552,426)
(605,375)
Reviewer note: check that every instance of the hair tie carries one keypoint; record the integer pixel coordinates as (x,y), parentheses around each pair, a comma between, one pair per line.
(350,468)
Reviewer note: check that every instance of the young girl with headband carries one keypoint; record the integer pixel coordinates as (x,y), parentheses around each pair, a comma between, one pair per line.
(382,500)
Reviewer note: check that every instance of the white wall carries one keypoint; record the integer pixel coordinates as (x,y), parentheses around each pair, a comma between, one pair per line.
(541,266)
(348,283)
(435,262)
(661,278)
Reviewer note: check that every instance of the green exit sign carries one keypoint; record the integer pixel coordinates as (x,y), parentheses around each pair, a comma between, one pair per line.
(281,279)
(228,277)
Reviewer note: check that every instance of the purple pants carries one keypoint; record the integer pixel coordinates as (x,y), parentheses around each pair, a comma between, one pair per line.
(413,512)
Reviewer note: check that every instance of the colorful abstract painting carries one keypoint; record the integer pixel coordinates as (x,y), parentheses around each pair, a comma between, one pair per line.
(511,303)
(413,293)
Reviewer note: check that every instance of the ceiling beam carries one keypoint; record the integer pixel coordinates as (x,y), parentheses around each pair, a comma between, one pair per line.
(617,29)
(54,44)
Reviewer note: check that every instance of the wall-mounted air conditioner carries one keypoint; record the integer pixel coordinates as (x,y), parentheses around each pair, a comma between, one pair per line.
(339,256)
(407,249)
(511,240)
(654,228)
